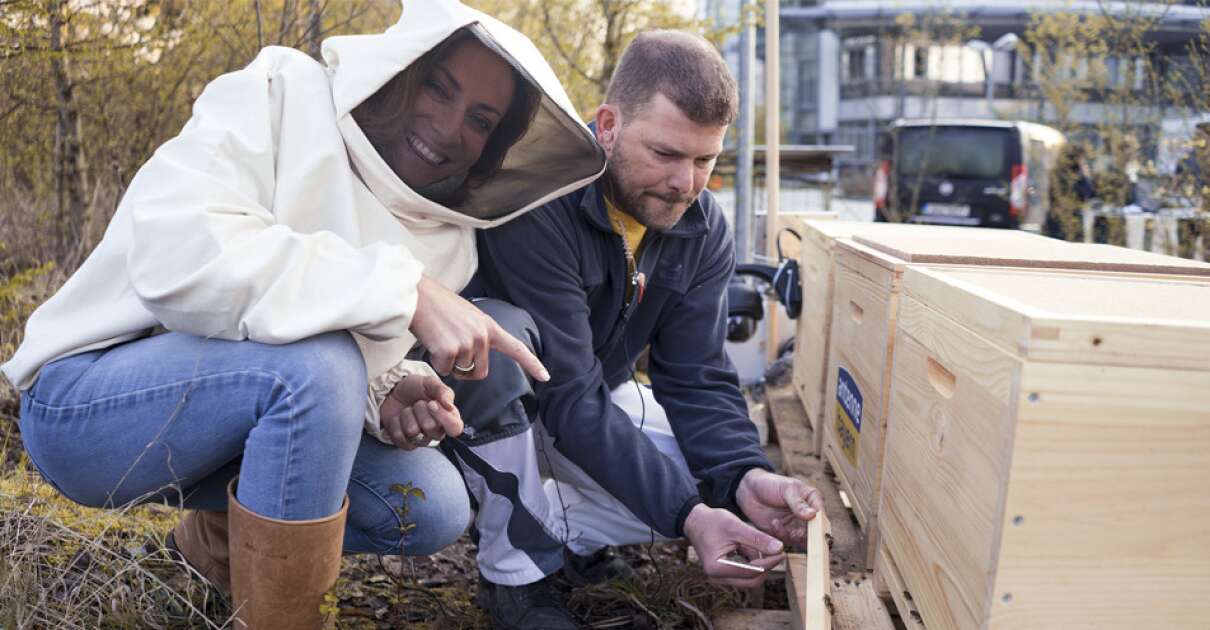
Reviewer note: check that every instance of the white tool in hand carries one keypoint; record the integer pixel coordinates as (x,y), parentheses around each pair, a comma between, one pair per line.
(740,565)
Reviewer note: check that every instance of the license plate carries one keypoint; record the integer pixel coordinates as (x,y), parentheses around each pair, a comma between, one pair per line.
(947,209)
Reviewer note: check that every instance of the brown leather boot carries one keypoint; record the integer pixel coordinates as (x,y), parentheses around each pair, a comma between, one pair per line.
(280,570)
(200,538)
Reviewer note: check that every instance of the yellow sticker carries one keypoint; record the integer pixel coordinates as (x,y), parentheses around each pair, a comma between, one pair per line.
(848,415)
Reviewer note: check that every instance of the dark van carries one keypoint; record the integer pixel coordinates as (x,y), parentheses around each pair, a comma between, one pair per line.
(991,173)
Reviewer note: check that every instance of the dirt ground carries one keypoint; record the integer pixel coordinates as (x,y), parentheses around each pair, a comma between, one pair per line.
(65,566)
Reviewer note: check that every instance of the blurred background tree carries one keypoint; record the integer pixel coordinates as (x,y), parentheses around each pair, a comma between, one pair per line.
(90,88)
(583,39)
(1112,61)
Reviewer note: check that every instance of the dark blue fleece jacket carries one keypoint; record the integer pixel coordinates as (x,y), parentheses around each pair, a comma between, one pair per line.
(565,265)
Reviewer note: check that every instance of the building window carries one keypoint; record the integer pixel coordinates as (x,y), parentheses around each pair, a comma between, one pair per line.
(855,65)
(920,62)
(856,57)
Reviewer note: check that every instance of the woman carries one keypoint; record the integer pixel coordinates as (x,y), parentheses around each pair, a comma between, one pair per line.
(259,286)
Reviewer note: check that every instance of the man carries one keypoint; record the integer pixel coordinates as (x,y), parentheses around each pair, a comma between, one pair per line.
(639,259)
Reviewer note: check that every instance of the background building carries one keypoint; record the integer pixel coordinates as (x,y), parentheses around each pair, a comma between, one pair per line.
(850,68)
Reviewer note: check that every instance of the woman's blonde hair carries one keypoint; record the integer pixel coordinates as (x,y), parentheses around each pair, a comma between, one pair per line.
(378,115)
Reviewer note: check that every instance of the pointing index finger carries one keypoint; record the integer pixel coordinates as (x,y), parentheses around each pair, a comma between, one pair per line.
(504,342)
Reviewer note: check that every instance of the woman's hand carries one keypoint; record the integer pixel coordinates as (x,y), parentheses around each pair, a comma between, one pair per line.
(459,336)
(420,409)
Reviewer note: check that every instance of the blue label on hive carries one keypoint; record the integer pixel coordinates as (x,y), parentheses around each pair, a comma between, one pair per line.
(848,415)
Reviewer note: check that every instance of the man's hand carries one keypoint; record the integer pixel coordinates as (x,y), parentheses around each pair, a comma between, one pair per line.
(459,336)
(778,505)
(418,410)
(715,533)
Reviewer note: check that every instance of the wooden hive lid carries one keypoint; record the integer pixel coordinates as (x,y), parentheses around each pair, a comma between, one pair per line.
(826,231)
(1013,248)
(1075,317)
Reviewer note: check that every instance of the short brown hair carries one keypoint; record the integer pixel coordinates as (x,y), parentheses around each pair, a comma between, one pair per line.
(684,68)
(378,115)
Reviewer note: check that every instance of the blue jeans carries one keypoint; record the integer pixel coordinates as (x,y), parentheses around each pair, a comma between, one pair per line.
(172,418)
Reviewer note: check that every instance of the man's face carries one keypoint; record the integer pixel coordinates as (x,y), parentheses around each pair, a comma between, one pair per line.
(659,160)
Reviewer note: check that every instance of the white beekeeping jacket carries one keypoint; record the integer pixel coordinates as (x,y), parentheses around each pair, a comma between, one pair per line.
(272,218)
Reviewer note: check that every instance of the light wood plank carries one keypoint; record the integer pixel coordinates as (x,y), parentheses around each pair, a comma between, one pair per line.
(1106,522)
(808,579)
(947,456)
(814,322)
(862,325)
(1020,249)
(856,606)
(1097,319)
(819,582)
(887,573)
(797,591)
(748,619)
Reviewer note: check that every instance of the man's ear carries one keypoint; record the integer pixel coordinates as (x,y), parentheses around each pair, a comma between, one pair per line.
(609,125)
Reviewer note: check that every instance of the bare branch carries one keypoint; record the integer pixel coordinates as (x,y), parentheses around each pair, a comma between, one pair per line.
(260,28)
(571,63)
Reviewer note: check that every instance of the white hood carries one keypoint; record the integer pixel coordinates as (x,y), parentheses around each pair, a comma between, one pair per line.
(271,217)
(558,153)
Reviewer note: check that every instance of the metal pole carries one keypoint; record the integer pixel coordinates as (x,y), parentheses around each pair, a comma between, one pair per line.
(772,146)
(989,87)
(746,128)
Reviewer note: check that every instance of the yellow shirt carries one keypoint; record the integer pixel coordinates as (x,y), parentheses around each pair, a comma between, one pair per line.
(631,229)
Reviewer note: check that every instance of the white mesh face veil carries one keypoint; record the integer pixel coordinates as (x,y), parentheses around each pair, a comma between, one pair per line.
(556,155)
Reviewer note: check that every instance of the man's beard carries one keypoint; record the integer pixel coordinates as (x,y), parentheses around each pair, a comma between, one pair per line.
(655,211)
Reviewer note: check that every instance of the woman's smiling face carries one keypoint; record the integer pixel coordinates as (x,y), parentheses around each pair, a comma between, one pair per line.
(452,115)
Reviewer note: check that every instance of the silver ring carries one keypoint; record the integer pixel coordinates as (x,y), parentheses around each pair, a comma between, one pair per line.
(418,439)
(465,370)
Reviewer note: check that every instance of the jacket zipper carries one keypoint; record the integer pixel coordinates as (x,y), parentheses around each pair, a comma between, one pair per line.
(619,325)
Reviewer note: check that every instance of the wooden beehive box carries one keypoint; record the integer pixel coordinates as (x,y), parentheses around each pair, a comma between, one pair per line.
(790,246)
(1048,450)
(865,298)
(816,264)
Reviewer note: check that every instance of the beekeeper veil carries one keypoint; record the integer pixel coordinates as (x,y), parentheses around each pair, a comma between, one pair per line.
(538,151)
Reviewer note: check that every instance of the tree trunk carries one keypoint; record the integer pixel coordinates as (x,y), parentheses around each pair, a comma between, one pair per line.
(69,169)
(314,28)
(612,44)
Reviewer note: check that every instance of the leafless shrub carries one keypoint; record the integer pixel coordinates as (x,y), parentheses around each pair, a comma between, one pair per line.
(66,566)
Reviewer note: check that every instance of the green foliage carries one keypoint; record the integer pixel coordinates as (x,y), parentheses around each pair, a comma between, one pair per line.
(20,294)
(15,304)
(408,492)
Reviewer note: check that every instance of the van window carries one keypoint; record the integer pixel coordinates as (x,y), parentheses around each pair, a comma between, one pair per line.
(954,152)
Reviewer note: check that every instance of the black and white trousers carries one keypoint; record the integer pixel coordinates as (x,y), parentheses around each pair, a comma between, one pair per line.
(530,500)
